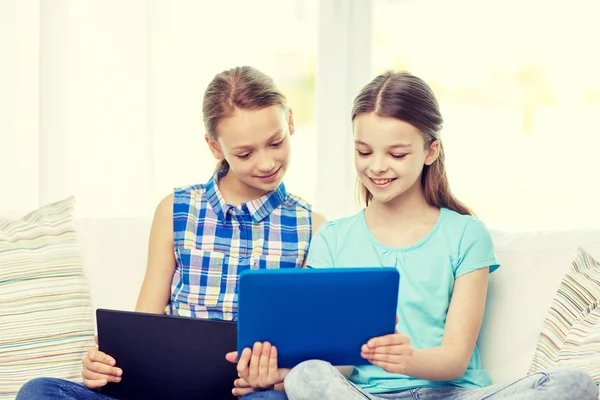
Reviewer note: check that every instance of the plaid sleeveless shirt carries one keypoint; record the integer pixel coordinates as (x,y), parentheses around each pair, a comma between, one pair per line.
(215,241)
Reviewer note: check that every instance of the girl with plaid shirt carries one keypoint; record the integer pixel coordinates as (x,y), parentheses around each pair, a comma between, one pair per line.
(203,236)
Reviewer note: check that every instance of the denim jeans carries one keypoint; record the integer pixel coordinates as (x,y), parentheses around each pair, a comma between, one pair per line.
(319,380)
(55,389)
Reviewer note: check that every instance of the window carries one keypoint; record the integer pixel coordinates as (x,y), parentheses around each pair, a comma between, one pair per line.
(519,89)
(193,41)
(114,116)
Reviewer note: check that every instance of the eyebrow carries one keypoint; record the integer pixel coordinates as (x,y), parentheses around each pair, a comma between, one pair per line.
(394,146)
(250,147)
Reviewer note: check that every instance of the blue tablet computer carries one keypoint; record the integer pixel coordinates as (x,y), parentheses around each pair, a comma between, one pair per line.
(325,314)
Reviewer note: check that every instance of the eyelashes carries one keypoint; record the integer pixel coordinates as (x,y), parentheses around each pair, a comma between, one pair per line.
(246,156)
(368,153)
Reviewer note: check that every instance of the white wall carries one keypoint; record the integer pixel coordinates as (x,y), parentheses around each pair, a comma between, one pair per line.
(19,105)
(102,99)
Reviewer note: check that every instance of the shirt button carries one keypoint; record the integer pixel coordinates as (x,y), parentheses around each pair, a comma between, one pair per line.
(240,258)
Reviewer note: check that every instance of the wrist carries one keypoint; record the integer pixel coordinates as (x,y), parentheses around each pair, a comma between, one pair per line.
(279,386)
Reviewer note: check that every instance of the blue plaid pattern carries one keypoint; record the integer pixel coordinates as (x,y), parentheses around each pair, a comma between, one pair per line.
(216,241)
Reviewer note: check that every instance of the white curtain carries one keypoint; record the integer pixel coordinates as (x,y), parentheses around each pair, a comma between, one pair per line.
(19,106)
(103,98)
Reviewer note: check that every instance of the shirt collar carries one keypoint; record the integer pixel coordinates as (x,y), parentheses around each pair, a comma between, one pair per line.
(258,209)
(263,206)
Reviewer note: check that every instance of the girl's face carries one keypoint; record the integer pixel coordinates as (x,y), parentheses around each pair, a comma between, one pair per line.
(256,145)
(390,155)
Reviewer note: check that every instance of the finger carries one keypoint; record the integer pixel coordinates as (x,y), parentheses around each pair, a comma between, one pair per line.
(396,319)
(94,376)
(232,357)
(273,368)
(241,383)
(263,363)
(389,358)
(389,367)
(102,368)
(239,392)
(242,365)
(94,384)
(388,340)
(98,356)
(256,353)
(96,339)
(402,349)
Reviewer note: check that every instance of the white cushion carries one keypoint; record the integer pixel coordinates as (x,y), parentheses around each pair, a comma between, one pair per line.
(46,317)
(571,332)
(115,251)
(520,293)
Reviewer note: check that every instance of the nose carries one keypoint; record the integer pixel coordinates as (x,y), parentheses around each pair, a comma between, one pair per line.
(377,165)
(265,164)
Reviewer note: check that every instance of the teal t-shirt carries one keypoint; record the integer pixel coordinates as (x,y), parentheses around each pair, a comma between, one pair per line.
(457,244)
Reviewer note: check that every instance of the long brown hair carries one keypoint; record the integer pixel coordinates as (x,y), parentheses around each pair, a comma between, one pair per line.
(240,87)
(406,97)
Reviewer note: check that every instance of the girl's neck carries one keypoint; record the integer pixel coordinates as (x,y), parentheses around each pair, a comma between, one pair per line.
(405,210)
(237,192)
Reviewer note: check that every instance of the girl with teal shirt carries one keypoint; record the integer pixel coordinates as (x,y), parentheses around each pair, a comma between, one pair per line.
(444,254)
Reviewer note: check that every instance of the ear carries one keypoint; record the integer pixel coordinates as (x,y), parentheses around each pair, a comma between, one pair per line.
(434,152)
(215,148)
(291,122)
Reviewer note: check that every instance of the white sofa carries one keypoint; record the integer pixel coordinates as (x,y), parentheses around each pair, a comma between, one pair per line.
(520,292)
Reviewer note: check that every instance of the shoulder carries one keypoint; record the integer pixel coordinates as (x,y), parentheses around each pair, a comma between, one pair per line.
(341,227)
(464,224)
(298,202)
(190,197)
(163,215)
(472,240)
(165,206)
(189,190)
(334,237)
(298,209)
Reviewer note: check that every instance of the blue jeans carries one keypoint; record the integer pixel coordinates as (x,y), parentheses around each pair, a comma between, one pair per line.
(55,389)
(319,380)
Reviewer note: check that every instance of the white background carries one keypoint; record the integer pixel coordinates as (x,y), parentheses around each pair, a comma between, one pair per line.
(102,99)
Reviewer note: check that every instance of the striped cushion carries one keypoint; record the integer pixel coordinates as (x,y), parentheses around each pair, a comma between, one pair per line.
(46,323)
(571,332)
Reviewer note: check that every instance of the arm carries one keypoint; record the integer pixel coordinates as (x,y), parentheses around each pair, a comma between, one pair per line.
(449,361)
(156,287)
(463,321)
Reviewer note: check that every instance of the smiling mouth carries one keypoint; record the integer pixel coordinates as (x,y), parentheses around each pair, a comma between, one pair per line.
(382,182)
(270,175)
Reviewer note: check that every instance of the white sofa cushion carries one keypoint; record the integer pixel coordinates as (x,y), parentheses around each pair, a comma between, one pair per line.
(115,251)
(521,292)
(571,332)
(46,316)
